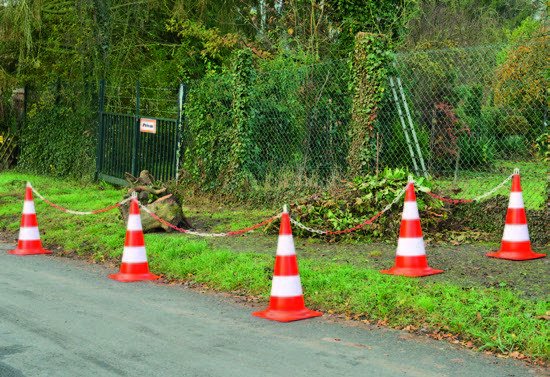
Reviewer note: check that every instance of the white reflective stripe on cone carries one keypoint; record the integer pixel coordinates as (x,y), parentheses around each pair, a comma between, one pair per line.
(515,233)
(29,233)
(285,245)
(516,200)
(134,222)
(286,286)
(410,247)
(28,207)
(134,254)
(410,211)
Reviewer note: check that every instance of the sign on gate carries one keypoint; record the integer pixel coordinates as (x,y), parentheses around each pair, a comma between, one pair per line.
(124,147)
(148,125)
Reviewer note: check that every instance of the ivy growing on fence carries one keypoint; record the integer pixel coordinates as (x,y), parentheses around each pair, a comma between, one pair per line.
(371,58)
(242,149)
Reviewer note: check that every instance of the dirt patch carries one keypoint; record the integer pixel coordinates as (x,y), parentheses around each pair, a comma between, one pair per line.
(465,265)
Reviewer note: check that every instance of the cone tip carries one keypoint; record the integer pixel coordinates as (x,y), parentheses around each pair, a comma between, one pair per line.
(516,171)
(285,208)
(28,184)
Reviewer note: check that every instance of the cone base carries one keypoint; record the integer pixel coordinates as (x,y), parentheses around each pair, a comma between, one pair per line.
(37,251)
(287,315)
(411,272)
(128,278)
(515,255)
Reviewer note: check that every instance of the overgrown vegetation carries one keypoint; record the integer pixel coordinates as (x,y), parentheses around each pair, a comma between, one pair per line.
(491,318)
(295,88)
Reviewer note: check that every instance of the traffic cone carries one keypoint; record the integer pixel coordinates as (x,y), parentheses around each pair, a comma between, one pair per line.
(410,259)
(287,301)
(516,244)
(134,265)
(29,237)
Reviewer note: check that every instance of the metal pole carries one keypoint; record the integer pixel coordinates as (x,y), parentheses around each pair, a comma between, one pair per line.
(135,151)
(403,125)
(100,130)
(411,125)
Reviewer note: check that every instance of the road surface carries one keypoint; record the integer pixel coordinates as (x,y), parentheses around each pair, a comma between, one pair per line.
(62,317)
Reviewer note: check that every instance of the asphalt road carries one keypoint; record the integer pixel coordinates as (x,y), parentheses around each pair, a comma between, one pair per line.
(61,317)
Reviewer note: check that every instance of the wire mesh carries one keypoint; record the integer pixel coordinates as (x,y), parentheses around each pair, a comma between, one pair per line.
(477,113)
(465,116)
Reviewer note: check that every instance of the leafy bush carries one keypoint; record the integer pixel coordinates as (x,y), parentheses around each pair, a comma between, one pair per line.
(208,120)
(514,146)
(58,138)
(476,152)
(542,147)
(514,124)
(394,148)
(359,200)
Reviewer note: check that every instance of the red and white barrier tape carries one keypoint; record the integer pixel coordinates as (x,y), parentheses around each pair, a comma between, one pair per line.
(267,221)
(206,234)
(477,198)
(63,209)
(375,217)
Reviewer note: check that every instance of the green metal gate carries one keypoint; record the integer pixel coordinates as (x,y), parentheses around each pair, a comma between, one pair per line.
(124,147)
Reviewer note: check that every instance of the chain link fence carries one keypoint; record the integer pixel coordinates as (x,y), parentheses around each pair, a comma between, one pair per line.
(465,116)
(468,116)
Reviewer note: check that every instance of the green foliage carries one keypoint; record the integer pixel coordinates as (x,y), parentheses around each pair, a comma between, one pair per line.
(514,124)
(200,50)
(240,140)
(56,140)
(278,115)
(522,77)
(381,17)
(219,115)
(476,152)
(361,199)
(439,23)
(542,147)
(369,74)
(209,121)
(284,116)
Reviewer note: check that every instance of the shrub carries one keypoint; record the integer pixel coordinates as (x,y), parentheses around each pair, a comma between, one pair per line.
(513,125)
(514,146)
(542,147)
(58,137)
(208,120)
(476,151)
(359,200)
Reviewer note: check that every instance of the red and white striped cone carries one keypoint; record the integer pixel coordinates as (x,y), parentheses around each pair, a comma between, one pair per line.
(516,244)
(287,301)
(410,259)
(29,237)
(134,265)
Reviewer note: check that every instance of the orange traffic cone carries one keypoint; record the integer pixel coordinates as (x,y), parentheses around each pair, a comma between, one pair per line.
(29,237)
(516,244)
(134,265)
(410,259)
(287,301)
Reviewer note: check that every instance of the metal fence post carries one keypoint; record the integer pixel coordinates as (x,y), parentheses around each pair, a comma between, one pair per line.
(135,149)
(100,130)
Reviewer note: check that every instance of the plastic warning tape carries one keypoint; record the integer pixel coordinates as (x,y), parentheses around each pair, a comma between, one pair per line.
(66,210)
(206,234)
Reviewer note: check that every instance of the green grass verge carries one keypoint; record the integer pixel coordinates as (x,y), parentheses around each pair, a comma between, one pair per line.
(495,319)
(534,178)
